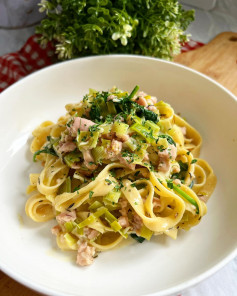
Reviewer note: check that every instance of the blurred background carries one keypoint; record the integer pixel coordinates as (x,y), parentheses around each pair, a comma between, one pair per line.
(18,19)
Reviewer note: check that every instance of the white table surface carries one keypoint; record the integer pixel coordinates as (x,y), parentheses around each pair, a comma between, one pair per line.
(206,26)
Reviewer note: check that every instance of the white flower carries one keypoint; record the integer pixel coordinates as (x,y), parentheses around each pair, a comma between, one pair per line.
(124,40)
(126,33)
(63,51)
(127,28)
(43,5)
(116,36)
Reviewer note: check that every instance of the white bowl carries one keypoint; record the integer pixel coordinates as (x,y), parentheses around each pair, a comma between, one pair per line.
(159,267)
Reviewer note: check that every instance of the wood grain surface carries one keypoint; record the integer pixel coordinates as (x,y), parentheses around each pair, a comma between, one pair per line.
(217,59)
(9,287)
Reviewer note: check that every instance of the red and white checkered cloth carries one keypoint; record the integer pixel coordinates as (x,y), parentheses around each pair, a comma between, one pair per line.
(32,57)
(29,58)
(191,45)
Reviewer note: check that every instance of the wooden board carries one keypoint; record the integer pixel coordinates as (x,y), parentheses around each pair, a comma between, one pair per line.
(217,59)
(9,287)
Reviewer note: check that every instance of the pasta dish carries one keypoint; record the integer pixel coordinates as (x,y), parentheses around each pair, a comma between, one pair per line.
(117,165)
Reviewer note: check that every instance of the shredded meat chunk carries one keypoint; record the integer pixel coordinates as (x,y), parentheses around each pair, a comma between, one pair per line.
(151,108)
(66,217)
(176,169)
(123,221)
(124,206)
(85,254)
(116,147)
(137,222)
(141,101)
(177,182)
(66,144)
(123,138)
(165,157)
(81,124)
(56,230)
(127,161)
(89,160)
(114,150)
(91,233)
(67,147)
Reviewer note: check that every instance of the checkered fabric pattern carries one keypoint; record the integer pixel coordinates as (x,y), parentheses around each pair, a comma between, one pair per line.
(29,58)
(191,45)
(32,57)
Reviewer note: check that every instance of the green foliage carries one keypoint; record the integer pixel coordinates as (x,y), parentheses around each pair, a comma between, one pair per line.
(125,106)
(148,27)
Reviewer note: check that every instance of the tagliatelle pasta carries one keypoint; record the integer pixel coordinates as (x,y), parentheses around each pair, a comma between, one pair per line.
(117,165)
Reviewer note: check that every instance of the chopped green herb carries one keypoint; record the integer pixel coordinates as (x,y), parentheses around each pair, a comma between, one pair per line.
(137,173)
(161,147)
(117,187)
(169,139)
(176,188)
(139,239)
(76,188)
(112,173)
(183,171)
(108,181)
(134,91)
(183,165)
(170,184)
(48,150)
(94,128)
(140,186)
